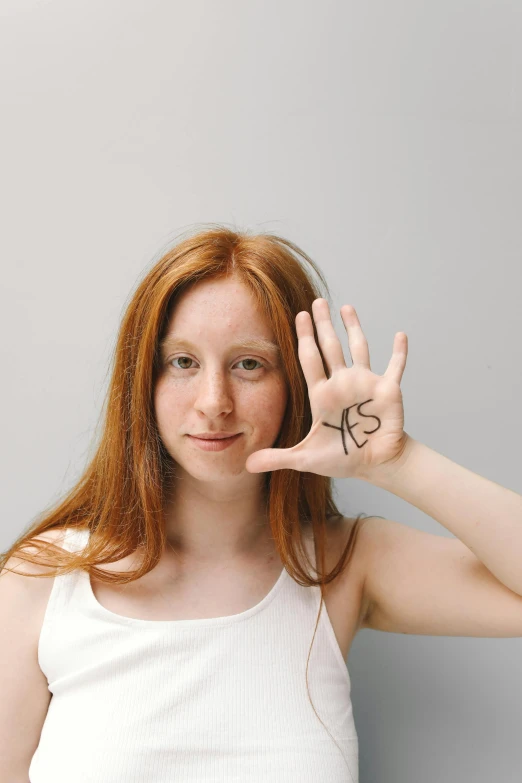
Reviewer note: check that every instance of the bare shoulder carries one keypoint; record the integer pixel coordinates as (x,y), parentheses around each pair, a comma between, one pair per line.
(18,582)
(24,567)
(341,530)
(348,588)
(338,532)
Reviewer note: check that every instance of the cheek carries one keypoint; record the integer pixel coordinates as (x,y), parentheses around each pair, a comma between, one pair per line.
(167,408)
(265,407)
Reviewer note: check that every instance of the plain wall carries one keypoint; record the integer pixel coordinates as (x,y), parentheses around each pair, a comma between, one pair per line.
(384,139)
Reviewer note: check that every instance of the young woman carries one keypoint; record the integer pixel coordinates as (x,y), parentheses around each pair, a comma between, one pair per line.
(206,589)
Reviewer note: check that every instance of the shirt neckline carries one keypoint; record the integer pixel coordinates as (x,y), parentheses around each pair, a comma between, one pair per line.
(180,624)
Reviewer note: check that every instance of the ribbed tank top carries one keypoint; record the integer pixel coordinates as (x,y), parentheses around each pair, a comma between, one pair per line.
(192,701)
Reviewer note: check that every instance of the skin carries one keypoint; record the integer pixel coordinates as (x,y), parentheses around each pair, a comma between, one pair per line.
(350,427)
(215,510)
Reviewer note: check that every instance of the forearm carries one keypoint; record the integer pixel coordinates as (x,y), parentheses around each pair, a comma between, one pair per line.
(482,514)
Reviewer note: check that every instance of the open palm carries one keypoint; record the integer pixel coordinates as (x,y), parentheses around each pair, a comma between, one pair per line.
(357,416)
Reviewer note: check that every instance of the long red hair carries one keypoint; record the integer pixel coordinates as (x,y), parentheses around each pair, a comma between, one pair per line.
(120,495)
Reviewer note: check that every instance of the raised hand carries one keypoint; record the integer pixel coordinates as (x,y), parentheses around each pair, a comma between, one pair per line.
(357,416)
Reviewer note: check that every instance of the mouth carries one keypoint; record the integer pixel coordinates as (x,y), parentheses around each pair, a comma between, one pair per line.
(215,444)
(215,437)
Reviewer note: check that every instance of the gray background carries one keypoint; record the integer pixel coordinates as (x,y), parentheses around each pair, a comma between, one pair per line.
(383,138)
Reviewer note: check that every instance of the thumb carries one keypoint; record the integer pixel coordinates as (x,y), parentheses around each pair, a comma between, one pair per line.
(270,459)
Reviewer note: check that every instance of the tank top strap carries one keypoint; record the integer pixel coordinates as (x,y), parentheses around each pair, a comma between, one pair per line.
(309,546)
(62,590)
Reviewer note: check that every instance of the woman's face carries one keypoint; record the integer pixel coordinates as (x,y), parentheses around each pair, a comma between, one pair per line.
(215,377)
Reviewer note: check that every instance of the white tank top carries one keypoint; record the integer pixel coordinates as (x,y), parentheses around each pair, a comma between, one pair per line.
(212,700)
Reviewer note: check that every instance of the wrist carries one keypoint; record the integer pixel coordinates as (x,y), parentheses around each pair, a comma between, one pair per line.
(384,474)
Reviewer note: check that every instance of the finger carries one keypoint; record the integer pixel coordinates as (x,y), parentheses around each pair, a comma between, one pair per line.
(307,350)
(357,342)
(397,362)
(329,342)
(271,459)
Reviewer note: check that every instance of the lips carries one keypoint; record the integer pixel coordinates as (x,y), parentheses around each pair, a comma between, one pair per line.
(219,443)
(215,437)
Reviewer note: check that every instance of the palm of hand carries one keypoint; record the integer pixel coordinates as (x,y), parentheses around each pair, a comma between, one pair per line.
(357,416)
(358,421)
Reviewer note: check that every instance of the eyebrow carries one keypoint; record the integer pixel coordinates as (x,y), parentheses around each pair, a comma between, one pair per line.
(249,343)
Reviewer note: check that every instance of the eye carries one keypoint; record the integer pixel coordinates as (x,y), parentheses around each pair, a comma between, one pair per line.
(250,369)
(251,360)
(175,359)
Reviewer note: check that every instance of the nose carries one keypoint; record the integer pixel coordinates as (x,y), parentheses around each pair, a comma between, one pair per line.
(213,396)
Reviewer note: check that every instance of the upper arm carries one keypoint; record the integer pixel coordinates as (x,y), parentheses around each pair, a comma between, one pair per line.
(25,696)
(418,583)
